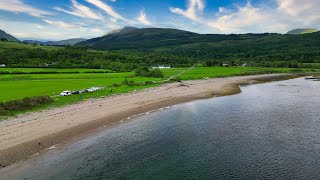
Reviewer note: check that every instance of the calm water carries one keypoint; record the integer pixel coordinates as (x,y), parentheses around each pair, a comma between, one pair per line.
(269,131)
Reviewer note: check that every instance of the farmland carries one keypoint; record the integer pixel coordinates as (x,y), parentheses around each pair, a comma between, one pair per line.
(30,84)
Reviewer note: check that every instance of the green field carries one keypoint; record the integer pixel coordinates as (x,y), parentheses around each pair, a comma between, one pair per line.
(14,45)
(51,71)
(15,87)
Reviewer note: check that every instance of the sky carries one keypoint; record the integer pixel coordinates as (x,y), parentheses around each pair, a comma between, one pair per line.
(65,19)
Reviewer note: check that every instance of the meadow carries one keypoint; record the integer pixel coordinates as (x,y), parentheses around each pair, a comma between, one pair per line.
(51,71)
(18,86)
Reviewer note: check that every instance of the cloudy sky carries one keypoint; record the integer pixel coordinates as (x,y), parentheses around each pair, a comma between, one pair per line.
(64,19)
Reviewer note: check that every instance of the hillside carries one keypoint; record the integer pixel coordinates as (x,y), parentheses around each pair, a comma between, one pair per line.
(4,35)
(134,38)
(126,49)
(303,31)
(57,43)
(217,47)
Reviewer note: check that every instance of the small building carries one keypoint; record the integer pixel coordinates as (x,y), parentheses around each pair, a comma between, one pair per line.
(161,67)
(3,65)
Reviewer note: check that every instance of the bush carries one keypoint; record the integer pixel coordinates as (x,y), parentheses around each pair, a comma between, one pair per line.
(157,73)
(116,85)
(176,79)
(296,70)
(23,104)
(148,83)
(131,83)
(145,72)
(125,81)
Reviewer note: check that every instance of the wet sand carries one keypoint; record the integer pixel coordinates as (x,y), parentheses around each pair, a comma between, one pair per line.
(29,134)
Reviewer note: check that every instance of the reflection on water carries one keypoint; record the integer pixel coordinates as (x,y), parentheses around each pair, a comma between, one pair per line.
(269,131)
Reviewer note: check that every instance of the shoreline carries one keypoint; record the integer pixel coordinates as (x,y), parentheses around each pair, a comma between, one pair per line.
(27,135)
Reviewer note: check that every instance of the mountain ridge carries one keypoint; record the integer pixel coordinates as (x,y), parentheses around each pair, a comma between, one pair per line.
(57,43)
(7,36)
(302,31)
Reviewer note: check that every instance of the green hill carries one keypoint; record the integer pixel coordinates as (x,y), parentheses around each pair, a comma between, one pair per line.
(218,47)
(130,47)
(4,35)
(303,31)
(134,38)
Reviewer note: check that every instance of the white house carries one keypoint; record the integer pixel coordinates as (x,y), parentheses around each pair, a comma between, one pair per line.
(3,65)
(161,67)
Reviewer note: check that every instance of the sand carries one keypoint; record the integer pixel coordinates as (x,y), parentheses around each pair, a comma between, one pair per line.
(29,134)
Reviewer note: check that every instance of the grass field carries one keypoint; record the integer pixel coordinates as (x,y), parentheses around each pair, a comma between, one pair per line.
(15,45)
(50,70)
(14,87)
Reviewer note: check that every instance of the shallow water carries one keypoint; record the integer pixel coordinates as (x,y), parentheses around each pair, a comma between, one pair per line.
(269,131)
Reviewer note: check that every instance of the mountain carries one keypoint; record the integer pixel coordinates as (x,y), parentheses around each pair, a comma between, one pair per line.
(57,43)
(303,31)
(133,38)
(8,37)
(188,42)
(126,30)
(262,48)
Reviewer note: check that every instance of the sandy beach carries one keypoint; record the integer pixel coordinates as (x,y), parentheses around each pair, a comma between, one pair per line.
(29,134)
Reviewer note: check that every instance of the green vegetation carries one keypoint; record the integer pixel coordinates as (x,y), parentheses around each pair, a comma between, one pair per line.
(124,65)
(146,72)
(51,71)
(8,108)
(7,37)
(153,46)
(18,86)
(264,50)
(23,55)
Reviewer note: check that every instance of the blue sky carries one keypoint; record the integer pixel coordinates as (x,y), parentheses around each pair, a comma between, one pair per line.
(64,19)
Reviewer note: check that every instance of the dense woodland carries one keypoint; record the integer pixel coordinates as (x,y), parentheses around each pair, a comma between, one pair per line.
(151,47)
(79,57)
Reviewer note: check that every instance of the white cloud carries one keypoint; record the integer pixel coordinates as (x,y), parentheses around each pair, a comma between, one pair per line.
(306,11)
(17,6)
(81,11)
(61,24)
(245,19)
(282,16)
(50,32)
(143,18)
(195,7)
(108,9)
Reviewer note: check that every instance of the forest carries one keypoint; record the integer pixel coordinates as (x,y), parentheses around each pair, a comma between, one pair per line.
(256,50)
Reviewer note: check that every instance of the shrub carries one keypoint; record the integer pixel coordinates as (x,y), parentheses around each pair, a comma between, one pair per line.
(157,73)
(176,79)
(116,85)
(125,81)
(131,83)
(296,70)
(145,72)
(148,83)
(23,104)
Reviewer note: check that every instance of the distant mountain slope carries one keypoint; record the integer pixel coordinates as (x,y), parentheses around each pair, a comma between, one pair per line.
(303,31)
(7,36)
(219,47)
(57,43)
(168,39)
(133,38)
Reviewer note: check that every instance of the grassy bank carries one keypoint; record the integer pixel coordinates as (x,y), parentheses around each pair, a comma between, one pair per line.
(19,86)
